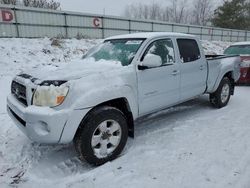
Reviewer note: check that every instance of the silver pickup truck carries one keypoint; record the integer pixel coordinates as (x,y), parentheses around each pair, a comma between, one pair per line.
(95,101)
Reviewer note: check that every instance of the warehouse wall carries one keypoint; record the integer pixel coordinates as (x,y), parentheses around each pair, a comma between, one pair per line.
(32,23)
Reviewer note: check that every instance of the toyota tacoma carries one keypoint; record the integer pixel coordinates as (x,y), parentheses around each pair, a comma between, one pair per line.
(95,101)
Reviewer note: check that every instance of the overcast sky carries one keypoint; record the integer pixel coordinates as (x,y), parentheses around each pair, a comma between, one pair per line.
(112,7)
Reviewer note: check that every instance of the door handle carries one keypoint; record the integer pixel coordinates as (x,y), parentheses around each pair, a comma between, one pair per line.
(201,67)
(175,72)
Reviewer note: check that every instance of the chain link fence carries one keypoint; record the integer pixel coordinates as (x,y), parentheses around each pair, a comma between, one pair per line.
(33,23)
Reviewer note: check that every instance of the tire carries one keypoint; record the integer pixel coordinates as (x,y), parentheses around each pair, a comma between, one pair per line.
(221,96)
(104,127)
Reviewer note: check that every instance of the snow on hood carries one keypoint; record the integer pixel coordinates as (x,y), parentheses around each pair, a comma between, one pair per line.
(75,70)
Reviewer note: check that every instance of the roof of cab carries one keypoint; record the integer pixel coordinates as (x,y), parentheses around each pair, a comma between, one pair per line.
(148,35)
(240,43)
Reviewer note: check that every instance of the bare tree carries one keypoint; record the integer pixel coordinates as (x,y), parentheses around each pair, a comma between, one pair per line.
(131,11)
(145,12)
(166,14)
(138,11)
(9,2)
(42,4)
(178,11)
(203,10)
(154,11)
(54,5)
(27,3)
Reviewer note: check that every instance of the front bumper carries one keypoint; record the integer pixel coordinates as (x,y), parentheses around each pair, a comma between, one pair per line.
(44,124)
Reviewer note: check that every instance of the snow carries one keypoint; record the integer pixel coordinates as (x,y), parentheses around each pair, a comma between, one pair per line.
(190,145)
(215,47)
(149,35)
(80,67)
(241,43)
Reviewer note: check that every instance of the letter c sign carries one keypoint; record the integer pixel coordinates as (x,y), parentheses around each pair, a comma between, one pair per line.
(7,16)
(97,22)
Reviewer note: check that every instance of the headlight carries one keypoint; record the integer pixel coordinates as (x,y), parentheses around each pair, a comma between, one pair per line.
(50,93)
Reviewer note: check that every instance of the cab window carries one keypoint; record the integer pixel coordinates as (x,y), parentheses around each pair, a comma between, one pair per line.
(163,48)
(189,50)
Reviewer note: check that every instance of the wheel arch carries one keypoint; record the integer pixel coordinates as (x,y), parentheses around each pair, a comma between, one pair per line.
(123,105)
(229,75)
(120,103)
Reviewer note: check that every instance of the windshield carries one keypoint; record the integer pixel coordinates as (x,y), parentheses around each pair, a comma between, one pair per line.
(238,50)
(122,50)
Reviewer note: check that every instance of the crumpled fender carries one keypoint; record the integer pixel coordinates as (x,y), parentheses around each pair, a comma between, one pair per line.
(99,95)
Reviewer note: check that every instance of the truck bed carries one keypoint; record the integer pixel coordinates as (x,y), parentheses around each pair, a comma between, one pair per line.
(217,63)
(211,57)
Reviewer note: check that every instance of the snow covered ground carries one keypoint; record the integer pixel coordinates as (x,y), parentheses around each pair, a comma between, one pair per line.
(190,145)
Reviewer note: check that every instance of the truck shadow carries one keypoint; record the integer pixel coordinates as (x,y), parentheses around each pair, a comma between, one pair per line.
(168,117)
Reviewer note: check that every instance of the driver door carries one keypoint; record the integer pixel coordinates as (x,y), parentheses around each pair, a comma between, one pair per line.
(159,87)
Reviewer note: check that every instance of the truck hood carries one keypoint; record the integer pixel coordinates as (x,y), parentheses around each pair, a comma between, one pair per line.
(75,70)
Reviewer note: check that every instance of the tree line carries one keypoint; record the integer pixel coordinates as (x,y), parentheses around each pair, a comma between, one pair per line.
(234,14)
(178,11)
(47,4)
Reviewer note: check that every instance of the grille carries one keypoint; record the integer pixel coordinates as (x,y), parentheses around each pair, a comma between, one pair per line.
(19,91)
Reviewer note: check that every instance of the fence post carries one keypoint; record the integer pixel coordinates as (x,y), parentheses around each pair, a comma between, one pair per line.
(16,22)
(231,35)
(201,33)
(66,25)
(212,34)
(129,26)
(103,34)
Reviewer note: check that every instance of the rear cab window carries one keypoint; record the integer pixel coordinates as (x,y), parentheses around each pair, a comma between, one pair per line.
(189,50)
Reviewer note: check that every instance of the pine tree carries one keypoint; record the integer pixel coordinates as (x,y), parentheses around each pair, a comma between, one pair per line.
(233,14)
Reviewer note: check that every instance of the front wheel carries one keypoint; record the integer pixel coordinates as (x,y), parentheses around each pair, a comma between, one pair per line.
(222,95)
(102,135)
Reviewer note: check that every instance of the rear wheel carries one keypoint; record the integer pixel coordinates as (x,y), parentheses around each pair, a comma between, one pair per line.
(222,95)
(102,135)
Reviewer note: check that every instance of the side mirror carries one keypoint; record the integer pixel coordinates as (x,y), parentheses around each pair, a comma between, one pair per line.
(151,61)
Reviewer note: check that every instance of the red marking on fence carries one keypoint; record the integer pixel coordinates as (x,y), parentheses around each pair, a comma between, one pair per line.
(97,22)
(7,16)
